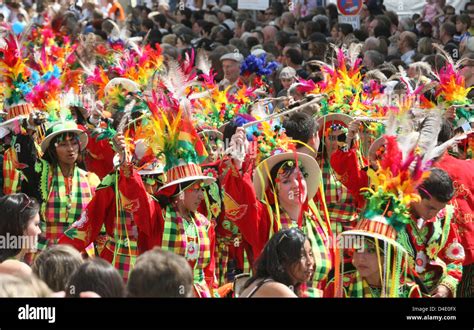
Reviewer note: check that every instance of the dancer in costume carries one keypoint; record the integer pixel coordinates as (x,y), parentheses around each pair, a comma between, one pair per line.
(277,198)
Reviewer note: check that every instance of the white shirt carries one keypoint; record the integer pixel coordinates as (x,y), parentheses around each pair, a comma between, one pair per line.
(407,57)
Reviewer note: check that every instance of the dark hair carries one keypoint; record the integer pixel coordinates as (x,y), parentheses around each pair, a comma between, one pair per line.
(446,132)
(148,23)
(300,127)
(251,41)
(16,211)
(295,56)
(464,19)
(449,28)
(281,252)
(50,155)
(158,274)
(346,28)
(439,185)
(282,38)
(160,20)
(248,25)
(96,275)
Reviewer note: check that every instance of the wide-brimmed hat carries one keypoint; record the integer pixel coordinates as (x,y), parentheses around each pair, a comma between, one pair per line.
(61,127)
(376,227)
(334,118)
(13,112)
(376,145)
(184,173)
(261,178)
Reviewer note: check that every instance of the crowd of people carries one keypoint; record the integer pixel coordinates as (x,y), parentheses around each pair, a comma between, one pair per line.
(190,149)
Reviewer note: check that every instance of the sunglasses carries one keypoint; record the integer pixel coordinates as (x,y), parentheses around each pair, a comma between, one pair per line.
(27,202)
(290,234)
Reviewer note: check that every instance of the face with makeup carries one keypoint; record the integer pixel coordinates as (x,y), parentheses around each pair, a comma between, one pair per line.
(292,187)
(367,263)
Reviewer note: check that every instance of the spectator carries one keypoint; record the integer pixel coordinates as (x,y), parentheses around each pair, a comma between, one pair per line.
(56,264)
(425,46)
(231,66)
(269,33)
(287,78)
(160,274)
(446,35)
(98,276)
(19,220)
(407,46)
(225,15)
(372,59)
(463,24)
(285,264)
(294,59)
(23,287)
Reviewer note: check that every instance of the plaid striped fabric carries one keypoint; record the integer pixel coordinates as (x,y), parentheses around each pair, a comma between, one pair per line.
(124,242)
(224,247)
(11,174)
(61,208)
(175,240)
(340,203)
(320,243)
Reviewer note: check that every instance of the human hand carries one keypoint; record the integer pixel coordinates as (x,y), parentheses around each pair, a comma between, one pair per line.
(441,291)
(238,147)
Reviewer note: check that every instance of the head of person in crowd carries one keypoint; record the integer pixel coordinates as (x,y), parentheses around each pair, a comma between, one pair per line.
(270,14)
(469,9)
(449,12)
(63,144)
(56,264)
(269,33)
(302,127)
(242,26)
(394,21)
(324,23)
(344,30)
(435,191)
(183,15)
(287,22)
(287,259)
(225,13)
(231,66)
(281,39)
(447,31)
(293,58)
(19,219)
(463,23)
(332,12)
(183,41)
(96,275)
(23,287)
(287,77)
(425,46)
(318,46)
(333,129)
(160,274)
(335,32)
(407,42)
(467,67)
(406,24)
(425,30)
(372,59)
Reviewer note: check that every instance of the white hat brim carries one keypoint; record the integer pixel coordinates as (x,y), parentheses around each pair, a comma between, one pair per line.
(82,138)
(261,177)
(207,180)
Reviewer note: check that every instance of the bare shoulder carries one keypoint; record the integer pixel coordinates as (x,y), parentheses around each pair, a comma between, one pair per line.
(275,289)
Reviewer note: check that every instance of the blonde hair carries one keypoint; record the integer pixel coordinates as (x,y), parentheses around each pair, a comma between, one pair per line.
(23,287)
(56,264)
